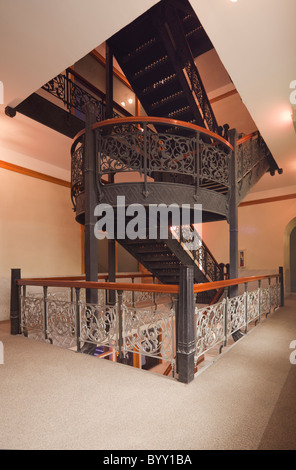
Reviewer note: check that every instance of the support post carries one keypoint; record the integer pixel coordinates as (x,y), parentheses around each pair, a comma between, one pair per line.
(111,270)
(233,214)
(282,292)
(14,303)
(90,241)
(185,326)
(109,82)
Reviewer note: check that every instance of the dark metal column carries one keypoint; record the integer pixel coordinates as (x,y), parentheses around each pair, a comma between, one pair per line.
(185,326)
(109,82)
(90,241)
(282,289)
(233,214)
(14,303)
(109,115)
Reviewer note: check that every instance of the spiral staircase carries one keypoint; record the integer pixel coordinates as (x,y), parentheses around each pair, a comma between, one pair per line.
(178,151)
(176,154)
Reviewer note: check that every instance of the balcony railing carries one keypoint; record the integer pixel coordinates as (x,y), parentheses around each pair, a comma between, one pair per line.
(56,309)
(182,152)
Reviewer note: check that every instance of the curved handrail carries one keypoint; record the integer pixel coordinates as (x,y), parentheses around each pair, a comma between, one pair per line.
(156,120)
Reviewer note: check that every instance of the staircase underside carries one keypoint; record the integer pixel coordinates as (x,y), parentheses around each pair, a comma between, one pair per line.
(47,113)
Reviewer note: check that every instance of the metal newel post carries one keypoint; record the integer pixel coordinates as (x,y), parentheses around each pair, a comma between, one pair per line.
(145,159)
(269,295)
(45,289)
(90,241)
(233,213)
(14,303)
(246,307)
(185,326)
(120,324)
(282,292)
(259,299)
(78,318)
(225,317)
(197,169)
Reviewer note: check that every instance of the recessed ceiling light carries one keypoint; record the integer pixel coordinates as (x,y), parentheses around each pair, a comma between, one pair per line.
(122,103)
(130,101)
(233,1)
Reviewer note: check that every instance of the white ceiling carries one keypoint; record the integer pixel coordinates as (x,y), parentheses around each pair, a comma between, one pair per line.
(254,39)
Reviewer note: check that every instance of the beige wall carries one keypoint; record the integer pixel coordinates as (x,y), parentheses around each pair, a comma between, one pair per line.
(263,234)
(38,232)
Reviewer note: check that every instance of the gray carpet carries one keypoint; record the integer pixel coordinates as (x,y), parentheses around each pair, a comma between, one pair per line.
(52,398)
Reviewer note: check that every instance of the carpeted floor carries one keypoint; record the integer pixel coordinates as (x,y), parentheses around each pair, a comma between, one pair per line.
(52,398)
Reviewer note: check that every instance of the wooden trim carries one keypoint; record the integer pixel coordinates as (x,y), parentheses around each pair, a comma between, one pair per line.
(223,96)
(34,174)
(116,72)
(268,199)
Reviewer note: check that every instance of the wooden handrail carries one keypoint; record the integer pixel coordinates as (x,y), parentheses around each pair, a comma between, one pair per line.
(82,277)
(155,120)
(230,282)
(245,138)
(162,288)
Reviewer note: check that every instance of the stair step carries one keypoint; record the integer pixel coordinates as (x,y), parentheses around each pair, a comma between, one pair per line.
(157,88)
(148,46)
(150,259)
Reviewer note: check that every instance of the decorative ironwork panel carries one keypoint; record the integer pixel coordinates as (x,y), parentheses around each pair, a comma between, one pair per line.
(32,313)
(214,164)
(171,153)
(57,87)
(77,169)
(235,313)
(209,327)
(264,300)
(249,154)
(149,332)
(61,319)
(275,295)
(73,96)
(122,151)
(253,305)
(99,324)
(201,96)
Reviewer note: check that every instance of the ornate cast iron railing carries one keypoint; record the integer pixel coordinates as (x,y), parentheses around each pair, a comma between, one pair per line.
(199,252)
(183,152)
(60,314)
(73,96)
(251,152)
(216,324)
(201,96)
(75,93)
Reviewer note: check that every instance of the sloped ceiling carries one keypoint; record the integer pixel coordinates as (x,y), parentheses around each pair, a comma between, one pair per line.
(40,39)
(255,40)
